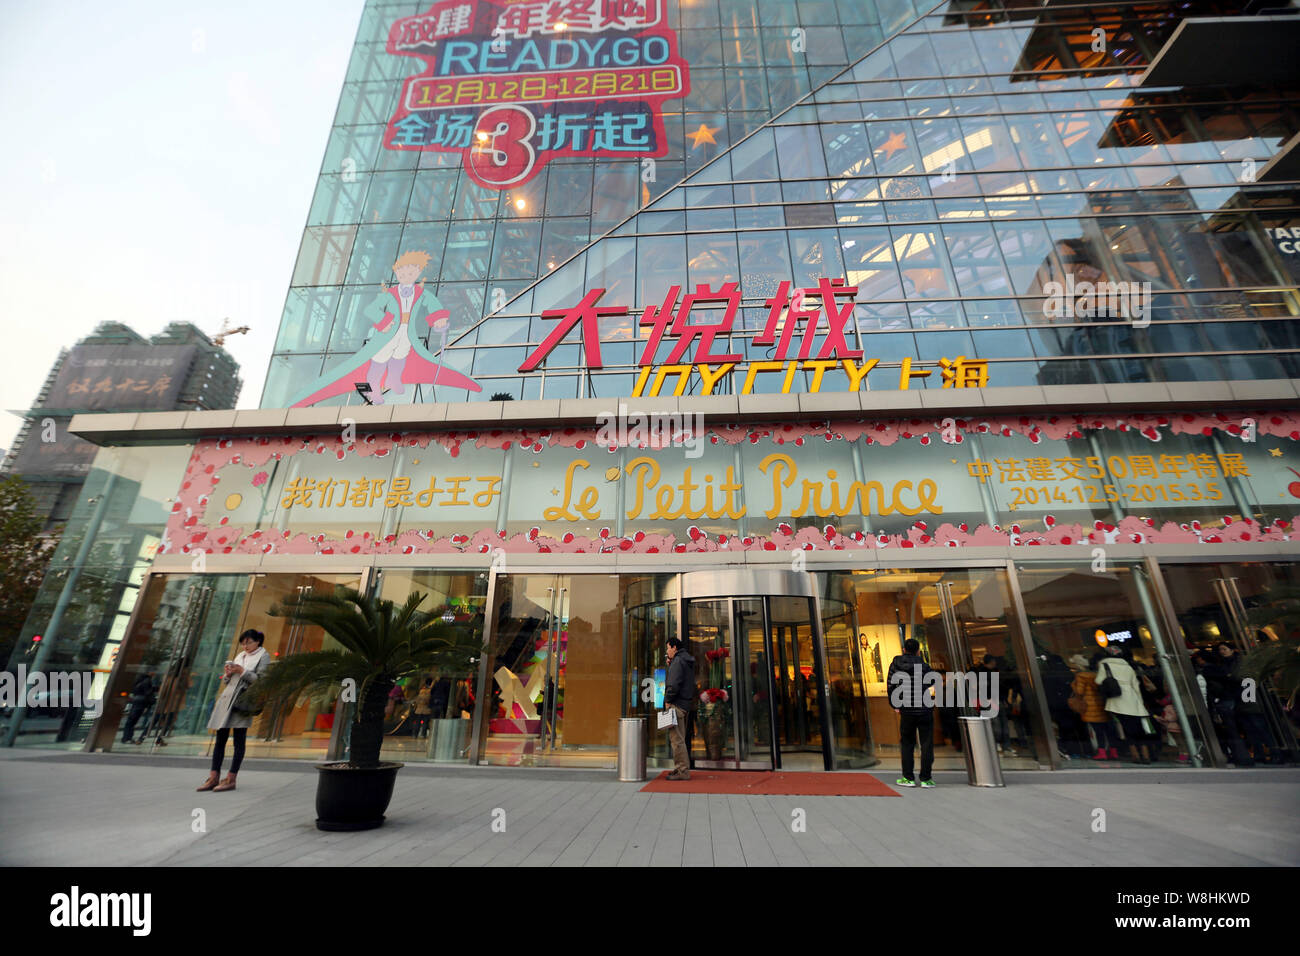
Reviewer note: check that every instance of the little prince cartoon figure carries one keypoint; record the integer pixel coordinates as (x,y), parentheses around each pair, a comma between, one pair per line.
(396,355)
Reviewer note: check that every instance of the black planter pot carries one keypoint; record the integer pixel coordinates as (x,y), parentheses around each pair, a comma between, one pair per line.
(353,798)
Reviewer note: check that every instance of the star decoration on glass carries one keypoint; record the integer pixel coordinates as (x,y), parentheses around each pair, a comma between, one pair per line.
(892,145)
(703,135)
(1275,452)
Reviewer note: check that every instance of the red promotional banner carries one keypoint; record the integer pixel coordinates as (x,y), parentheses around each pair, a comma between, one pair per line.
(509,85)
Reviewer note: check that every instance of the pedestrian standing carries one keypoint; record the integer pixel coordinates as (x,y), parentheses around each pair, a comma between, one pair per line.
(423,708)
(247,666)
(915,712)
(1126,703)
(171,699)
(143,695)
(679,694)
(1084,689)
(439,695)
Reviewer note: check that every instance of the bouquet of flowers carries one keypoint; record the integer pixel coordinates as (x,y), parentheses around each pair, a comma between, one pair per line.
(715,699)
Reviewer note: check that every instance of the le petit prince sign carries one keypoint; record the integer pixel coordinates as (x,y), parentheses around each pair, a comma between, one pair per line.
(897,483)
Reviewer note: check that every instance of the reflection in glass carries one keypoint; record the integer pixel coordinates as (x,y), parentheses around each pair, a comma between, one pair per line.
(978,635)
(1081,619)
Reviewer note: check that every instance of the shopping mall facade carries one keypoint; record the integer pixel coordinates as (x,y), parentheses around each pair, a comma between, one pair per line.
(793,329)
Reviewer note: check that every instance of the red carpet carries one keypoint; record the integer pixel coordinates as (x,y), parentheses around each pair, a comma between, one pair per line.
(795,783)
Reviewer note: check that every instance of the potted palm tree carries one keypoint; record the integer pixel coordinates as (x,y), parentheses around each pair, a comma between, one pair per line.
(380,644)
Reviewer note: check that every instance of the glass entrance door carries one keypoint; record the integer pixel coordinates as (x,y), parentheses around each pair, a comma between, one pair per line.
(796,683)
(1225,611)
(298,728)
(720,704)
(187,625)
(759,703)
(526,668)
(553,688)
(760,683)
(964,621)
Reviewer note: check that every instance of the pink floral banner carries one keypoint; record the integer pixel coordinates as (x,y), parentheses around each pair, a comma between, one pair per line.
(904,483)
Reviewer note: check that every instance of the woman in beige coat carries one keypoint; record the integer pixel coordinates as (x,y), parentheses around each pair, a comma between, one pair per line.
(1128,707)
(239,673)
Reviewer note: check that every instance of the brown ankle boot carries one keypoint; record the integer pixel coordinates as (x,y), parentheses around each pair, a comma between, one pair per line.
(210,783)
(227,784)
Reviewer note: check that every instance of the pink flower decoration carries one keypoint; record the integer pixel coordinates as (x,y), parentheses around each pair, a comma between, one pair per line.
(259,479)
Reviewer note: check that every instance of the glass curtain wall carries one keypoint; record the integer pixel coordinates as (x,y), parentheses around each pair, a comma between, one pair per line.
(965,621)
(961,177)
(166,669)
(747,61)
(1225,611)
(652,618)
(556,670)
(218,609)
(187,625)
(79,618)
(1092,624)
(429,714)
(570,654)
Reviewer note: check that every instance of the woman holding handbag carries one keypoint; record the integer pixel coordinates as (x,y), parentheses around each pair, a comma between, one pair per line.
(1120,686)
(229,712)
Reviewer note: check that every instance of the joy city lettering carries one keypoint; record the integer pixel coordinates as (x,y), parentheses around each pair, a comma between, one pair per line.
(692,323)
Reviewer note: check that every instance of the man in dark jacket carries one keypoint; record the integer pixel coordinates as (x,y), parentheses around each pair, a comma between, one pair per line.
(143,696)
(439,694)
(679,694)
(1250,709)
(915,719)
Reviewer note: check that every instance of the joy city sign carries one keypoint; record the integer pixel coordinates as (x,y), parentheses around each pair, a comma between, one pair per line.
(714,314)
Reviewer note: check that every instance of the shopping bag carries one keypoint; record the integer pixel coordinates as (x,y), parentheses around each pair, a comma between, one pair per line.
(667,718)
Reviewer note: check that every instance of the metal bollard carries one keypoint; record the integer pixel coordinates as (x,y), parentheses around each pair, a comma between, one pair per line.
(631,749)
(981,752)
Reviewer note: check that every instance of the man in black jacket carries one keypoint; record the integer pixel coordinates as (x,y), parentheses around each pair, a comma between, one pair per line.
(143,696)
(679,694)
(915,719)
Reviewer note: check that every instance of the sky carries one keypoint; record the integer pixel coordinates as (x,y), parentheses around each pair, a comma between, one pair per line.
(158,165)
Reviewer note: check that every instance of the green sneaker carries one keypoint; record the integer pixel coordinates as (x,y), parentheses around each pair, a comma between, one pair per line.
(904,782)
(927,784)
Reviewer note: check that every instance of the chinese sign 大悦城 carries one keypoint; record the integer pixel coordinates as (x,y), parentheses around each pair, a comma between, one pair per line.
(511,84)
(699,317)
